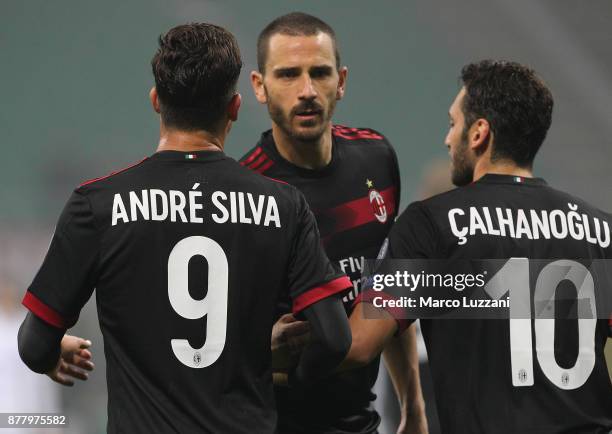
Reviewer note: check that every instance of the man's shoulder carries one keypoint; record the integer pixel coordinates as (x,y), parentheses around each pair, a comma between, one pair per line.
(365,144)
(130,174)
(99,183)
(257,159)
(492,197)
(359,135)
(478,193)
(431,211)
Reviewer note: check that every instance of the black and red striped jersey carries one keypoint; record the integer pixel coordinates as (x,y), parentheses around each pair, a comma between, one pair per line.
(355,199)
(499,376)
(189,253)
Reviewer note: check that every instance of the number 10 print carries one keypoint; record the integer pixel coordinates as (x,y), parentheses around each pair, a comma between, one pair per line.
(514,277)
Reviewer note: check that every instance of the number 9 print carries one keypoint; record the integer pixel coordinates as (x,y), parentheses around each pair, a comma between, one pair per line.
(213,306)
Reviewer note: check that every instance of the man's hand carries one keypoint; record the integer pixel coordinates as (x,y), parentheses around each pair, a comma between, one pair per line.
(289,336)
(74,361)
(414,421)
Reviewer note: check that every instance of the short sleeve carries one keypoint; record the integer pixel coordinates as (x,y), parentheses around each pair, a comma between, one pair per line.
(311,274)
(413,236)
(67,277)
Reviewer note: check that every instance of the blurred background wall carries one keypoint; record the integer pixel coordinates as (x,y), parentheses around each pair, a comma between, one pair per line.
(75,75)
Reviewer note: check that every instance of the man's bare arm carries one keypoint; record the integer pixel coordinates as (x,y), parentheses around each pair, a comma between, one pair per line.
(370,335)
(402,362)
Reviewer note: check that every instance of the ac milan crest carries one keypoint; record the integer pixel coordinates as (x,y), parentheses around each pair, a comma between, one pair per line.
(378,203)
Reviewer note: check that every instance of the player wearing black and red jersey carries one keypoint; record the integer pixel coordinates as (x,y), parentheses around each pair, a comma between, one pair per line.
(355,214)
(350,178)
(489,376)
(188,252)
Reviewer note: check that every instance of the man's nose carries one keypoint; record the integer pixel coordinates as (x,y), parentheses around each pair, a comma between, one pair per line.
(308,90)
(447,141)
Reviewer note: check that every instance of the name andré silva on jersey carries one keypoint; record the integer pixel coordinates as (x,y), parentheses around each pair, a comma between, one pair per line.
(175,205)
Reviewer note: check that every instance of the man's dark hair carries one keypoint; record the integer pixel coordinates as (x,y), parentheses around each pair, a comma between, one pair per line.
(196,69)
(516,103)
(293,24)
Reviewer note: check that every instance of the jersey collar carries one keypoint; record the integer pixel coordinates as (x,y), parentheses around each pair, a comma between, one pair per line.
(494,178)
(269,146)
(188,156)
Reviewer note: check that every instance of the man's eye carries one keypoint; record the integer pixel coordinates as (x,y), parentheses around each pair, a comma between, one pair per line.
(320,73)
(287,74)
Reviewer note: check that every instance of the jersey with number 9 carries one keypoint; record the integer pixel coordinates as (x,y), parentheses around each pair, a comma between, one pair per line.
(188,254)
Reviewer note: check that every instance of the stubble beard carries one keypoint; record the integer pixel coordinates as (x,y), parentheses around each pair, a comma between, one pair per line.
(308,136)
(463,169)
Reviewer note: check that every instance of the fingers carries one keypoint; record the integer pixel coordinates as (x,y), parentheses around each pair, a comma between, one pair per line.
(69,370)
(286,329)
(74,343)
(83,363)
(57,376)
(61,379)
(297,343)
(286,318)
(86,354)
(65,373)
(73,346)
(295,328)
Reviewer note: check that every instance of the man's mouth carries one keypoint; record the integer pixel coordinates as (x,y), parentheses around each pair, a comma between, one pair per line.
(307,114)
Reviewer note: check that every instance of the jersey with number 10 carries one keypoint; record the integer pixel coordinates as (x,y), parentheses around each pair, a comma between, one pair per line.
(551,377)
(188,253)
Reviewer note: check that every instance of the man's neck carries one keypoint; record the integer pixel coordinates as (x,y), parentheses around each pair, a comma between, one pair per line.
(503,167)
(308,155)
(189,141)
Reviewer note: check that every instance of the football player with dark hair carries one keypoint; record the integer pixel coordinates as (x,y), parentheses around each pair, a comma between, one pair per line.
(486,379)
(188,252)
(350,178)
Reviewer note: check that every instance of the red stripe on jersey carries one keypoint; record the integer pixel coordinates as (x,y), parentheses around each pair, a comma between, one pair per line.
(359,212)
(265,167)
(396,312)
(610,324)
(113,173)
(275,180)
(358,136)
(258,162)
(251,157)
(46,313)
(355,133)
(317,293)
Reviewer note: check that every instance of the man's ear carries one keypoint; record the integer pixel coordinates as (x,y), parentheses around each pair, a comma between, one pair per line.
(154,97)
(342,74)
(257,81)
(233,107)
(479,135)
